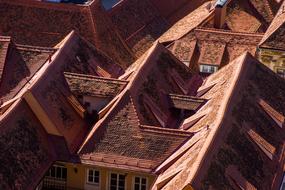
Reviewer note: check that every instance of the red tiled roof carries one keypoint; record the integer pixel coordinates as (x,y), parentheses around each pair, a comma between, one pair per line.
(248,15)
(139,23)
(131,127)
(20,64)
(212,53)
(26,153)
(274,36)
(223,139)
(42,23)
(188,23)
(212,46)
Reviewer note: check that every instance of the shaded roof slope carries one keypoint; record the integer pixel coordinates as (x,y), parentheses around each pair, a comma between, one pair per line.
(41,23)
(188,23)
(274,36)
(139,23)
(26,153)
(130,132)
(238,142)
(19,65)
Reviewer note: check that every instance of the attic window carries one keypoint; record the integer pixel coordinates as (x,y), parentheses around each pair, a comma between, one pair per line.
(275,115)
(209,69)
(267,148)
(160,116)
(109,4)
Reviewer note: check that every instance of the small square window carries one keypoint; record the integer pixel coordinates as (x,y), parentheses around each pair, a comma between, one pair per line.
(93,176)
(140,183)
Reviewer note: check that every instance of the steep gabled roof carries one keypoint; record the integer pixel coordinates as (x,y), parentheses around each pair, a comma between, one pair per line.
(248,15)
(235,141)
(132,128)
(139,23)
(26,152)
(213,46)
(44,24)
(19,65)
(274,36)
(45,114)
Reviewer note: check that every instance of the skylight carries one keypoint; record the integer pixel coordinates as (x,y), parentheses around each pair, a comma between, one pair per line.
(109,4)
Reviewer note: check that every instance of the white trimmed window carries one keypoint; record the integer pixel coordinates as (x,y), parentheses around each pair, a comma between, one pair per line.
(93,176)
(117,181)
(140,183)
(208,68)
(57,172)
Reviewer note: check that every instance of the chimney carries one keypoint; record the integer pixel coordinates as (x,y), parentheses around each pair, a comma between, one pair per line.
(220,13)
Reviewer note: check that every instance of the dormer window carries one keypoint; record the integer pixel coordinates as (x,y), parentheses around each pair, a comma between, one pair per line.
(275,115)
(208,69)
(266,147)
(158,114)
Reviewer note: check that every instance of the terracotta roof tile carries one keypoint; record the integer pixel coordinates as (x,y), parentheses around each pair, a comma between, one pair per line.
(21,63)
(212,53)
(241,21)
(225,140)
(273,37)
(26,152)
(212,46)
(188,23)
(94,86)
(45,24)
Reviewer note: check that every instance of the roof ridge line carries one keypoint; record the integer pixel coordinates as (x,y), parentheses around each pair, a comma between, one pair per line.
(35,48)
(221,116)
(167,131)
(90,77)
(227,31)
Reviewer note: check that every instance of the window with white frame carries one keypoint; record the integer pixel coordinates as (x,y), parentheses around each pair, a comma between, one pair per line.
(117,181)
(93,176)
(57,172)
(140,183)
(208,68)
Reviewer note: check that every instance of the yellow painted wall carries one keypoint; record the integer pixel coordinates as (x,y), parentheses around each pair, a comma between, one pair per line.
(76,176)
(273,59)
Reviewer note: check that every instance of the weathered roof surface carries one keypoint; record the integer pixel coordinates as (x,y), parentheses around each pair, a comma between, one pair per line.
(80,84)
(41,23)
(139,23)
(43,115)
(188,23)
(26,153)
(248,15)
(186,102)
(19,64)
(235,141)
(274,36)
(131,128)
(214,47)
(174,10)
